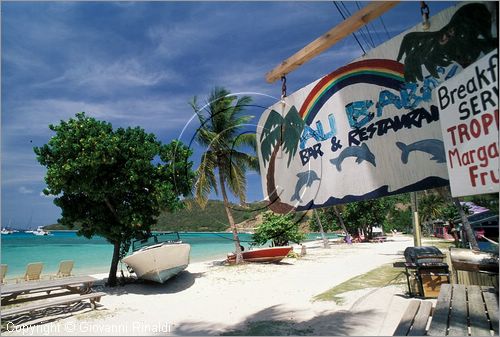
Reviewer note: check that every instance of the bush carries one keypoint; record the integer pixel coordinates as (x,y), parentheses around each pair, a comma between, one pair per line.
(280,229)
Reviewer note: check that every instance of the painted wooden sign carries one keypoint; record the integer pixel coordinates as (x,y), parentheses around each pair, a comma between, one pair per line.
(371,128)
(468,105)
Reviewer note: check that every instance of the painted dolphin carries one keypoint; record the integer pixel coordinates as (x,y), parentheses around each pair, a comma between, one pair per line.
(435,147)
(305,178)
(360,152)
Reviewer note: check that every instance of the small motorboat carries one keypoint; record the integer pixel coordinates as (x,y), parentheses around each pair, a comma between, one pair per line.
(262,255)
(159,257)
(40,231)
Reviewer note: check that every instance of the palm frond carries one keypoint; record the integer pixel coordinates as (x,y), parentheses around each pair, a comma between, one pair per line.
(246,139)
(236,180)
(205,179)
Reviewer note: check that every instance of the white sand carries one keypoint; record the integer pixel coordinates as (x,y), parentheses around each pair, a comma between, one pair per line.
(209,299)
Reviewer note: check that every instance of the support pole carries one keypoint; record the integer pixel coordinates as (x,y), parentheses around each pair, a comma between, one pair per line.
(325,240)
(417,239)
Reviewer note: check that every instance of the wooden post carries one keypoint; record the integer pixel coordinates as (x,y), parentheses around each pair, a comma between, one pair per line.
(362,17)
(325,240)
(417,238)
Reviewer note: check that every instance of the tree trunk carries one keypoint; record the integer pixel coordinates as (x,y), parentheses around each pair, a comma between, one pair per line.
(325,240)
(114,264)
(341,221)
(275,203)
(468,229)
(236,239)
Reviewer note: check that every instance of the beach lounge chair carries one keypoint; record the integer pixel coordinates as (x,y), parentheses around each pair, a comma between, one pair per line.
(65,268)
(33,271)
(3,272)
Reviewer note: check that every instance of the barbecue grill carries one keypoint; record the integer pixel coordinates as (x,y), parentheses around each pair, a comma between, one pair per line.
(426,267)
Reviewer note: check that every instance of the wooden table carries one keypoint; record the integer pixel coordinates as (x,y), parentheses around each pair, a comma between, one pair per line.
(75,284)
(465,310)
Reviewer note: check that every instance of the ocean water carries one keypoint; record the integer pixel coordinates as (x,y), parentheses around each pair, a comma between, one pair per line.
(94,255)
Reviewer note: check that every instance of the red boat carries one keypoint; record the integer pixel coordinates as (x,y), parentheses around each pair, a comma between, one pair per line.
(264,255)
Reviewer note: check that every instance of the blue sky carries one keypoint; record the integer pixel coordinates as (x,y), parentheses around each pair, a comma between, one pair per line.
(140,63)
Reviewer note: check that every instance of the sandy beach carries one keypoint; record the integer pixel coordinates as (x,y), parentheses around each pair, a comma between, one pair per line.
(211,299)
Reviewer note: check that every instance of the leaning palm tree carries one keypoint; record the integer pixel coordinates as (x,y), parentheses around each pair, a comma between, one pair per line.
(222,133)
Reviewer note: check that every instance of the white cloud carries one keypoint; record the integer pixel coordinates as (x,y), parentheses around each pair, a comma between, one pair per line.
(25,190)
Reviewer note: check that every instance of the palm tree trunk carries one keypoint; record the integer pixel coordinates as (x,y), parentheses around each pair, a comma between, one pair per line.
(468,229)
(322,232)
(275,203)
(341,221)
(236,239)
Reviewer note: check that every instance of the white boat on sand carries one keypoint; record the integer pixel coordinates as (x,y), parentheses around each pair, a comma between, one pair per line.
(159,257)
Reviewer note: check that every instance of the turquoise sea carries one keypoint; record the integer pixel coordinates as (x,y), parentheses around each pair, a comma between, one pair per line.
(94,255)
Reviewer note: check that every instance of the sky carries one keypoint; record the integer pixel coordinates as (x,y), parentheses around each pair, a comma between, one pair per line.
(140,63)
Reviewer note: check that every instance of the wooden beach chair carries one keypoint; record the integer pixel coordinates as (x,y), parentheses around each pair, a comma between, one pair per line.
(33,271)
(3,272)
(65,268)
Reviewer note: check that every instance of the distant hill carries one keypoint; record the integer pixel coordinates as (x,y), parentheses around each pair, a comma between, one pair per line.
(194,219)
(211,219)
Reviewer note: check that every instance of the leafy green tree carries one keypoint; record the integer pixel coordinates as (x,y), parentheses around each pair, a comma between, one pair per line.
(222,133)
(365,214)
(280,229)
(113,183)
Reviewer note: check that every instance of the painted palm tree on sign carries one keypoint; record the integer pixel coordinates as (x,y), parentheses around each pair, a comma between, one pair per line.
(222,133)
(279,132)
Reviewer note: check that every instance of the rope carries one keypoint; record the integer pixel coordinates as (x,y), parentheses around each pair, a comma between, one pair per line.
(342,14)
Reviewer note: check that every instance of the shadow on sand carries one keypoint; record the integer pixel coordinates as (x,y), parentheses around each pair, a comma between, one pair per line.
(178,283)
(274,321)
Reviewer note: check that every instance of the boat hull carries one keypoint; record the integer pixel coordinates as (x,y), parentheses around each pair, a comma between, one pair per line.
(159,262)
(263,255)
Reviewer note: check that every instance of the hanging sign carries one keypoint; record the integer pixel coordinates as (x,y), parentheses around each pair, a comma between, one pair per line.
(468,105)
(371,128)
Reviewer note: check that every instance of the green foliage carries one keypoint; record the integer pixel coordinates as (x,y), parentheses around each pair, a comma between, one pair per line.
(430,207)
(113,183)
(365,214)
(399,219)
(328,219)
(280,229)
(221,132)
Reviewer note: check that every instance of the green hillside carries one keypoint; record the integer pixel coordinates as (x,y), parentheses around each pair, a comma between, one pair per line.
(211,219)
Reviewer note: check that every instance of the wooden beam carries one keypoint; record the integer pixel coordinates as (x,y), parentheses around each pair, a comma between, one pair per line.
(366,14)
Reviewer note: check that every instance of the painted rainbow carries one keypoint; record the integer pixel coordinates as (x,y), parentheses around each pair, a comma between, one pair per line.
(387,73)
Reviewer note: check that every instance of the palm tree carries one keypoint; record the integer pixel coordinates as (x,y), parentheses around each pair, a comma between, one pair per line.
(221,132)
(430,207)
(279,132)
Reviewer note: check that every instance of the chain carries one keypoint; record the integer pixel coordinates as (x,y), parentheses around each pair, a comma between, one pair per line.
(283,87)
(425,11)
